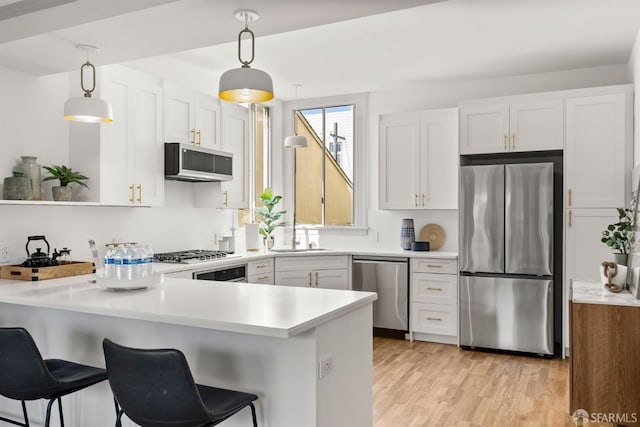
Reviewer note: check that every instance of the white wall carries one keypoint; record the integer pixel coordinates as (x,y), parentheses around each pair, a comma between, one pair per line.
(633,71)
(31,123)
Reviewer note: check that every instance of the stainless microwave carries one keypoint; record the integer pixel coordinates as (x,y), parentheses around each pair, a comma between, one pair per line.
(183,162)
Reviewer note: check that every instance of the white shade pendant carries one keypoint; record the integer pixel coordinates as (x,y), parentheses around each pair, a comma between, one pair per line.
(86,108)
(295,141)
(246,84)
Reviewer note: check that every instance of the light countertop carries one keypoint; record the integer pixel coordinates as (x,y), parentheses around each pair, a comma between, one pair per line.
(595,293)
(274,311)
(244,257)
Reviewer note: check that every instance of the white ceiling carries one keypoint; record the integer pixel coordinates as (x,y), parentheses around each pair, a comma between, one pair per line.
(338,46)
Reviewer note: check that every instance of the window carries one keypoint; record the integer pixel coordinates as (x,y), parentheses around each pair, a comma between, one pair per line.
(325,168)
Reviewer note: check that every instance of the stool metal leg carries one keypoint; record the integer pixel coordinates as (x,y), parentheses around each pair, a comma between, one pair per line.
(24,412)
(60,409)
(118,413)
(48,417)
(253,415)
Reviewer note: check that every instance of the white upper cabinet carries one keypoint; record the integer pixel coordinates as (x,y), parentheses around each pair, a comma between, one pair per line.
(235,139)
(513,125)
(125,158)
(191,118)
(419,160)
(598,137)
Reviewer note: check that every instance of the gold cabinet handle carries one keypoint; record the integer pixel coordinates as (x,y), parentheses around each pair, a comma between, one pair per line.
(316,279)
(416,200)
(423,200)
(199,133)
(434,265)
(133,194)
(570,197)
(139,187)
(513,141)
(263,277)
(309,279)
(570,217)
(438,319)
(434,289)
(505,142)
(193,136)
(226,199)
(262,265)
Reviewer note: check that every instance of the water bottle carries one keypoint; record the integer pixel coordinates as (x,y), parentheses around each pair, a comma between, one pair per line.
(118,256)
(109,267)
(149,264)
(141,262)
(129,263)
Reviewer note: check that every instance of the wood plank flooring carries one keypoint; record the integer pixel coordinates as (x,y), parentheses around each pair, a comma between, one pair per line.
(427,384)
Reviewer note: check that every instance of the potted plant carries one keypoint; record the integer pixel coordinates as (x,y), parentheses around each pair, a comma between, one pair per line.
(618,235)
(65,176)
(270,216)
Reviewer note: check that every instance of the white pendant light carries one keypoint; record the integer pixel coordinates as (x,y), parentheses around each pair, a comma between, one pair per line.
(295,140)
(246,84)
(86,108)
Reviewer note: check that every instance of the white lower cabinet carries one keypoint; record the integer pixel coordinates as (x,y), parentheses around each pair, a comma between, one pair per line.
(260,272)
(434,300)
(329,272)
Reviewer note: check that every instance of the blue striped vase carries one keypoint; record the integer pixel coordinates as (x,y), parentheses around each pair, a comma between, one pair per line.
(407,233)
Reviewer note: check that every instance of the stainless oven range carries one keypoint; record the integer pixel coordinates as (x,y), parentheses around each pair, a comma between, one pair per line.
(229,273)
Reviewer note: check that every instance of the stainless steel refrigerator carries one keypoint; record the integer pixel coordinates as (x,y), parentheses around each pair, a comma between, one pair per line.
(506,257)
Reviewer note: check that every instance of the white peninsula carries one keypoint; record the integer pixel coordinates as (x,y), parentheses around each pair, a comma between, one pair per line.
(267,340)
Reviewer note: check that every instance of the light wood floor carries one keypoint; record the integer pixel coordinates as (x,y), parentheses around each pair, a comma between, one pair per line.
(428,384)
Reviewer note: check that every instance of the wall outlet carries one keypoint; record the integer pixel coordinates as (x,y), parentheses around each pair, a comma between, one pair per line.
(325,367)
(5,253)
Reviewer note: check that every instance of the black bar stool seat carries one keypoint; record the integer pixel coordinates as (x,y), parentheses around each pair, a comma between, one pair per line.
(24,375)
(155,388)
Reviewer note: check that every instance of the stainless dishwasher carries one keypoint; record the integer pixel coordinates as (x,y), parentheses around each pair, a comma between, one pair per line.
(389,277)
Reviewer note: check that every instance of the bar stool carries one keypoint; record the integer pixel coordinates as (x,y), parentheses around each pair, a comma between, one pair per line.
(24,375)
(155,388)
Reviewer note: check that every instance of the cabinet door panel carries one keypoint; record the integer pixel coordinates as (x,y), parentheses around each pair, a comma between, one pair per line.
(484,128)
(536,126)
(149,154)
(208,122)
(179,115)
(399,162)
(439,160)
(235,130)
(332,279)
(295,278)
(595,151)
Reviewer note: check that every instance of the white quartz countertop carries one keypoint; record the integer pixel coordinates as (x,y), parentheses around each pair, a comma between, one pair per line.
(244,257)
(595,293)
(274,311)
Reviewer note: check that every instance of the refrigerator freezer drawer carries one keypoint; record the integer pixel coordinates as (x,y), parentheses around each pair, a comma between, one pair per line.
(437,319)
(507,314)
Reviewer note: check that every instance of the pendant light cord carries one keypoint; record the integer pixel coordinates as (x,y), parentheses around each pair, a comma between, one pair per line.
(245,64)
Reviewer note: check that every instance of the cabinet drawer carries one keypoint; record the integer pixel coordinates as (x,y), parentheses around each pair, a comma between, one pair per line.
(434,265)
(438,319)
(261,278)
(434,288)
(261,266)
(308,263)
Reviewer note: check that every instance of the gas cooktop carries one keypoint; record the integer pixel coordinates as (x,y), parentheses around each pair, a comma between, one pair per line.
(192,256)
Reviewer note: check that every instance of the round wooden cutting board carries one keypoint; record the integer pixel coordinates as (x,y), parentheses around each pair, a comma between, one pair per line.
(434,234)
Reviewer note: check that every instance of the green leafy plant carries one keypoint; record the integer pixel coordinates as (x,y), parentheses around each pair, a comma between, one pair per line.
(270,216)
(618,236)
(65,175)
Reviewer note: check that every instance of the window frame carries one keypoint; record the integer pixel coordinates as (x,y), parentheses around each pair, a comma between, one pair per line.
(360,186)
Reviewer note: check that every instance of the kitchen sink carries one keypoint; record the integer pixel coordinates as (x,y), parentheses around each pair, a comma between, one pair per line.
(297,250)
